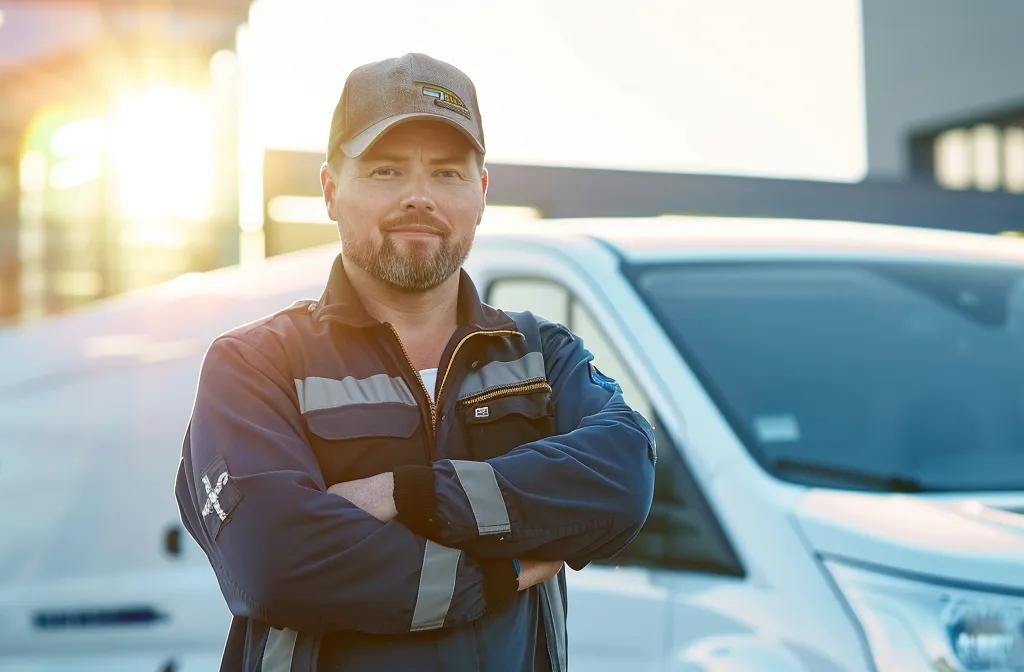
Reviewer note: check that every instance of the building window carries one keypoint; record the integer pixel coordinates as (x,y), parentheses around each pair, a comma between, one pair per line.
(985,154)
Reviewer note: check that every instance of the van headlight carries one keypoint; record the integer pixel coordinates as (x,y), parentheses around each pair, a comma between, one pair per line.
(918,625)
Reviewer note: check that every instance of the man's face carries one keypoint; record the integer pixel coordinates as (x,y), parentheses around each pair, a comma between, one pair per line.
(408,208)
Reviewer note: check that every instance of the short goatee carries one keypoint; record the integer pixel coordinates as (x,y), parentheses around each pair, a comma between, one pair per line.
(409,274)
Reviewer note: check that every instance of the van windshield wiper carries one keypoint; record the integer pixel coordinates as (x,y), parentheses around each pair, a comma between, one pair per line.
(848,475)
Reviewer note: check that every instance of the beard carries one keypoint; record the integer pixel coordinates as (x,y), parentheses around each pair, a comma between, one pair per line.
(417,270)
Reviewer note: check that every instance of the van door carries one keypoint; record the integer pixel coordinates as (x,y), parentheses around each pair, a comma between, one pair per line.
(618,616)
(96,572)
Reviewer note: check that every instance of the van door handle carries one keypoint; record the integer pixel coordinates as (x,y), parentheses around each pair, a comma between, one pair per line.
(71,619)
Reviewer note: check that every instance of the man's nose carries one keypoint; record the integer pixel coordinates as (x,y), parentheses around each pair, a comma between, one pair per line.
(417,195)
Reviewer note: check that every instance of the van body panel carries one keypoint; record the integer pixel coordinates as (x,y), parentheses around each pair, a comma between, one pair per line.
(957,538)
(93,404)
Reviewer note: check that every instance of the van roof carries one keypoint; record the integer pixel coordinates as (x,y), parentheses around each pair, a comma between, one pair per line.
(177,319)
(664,238)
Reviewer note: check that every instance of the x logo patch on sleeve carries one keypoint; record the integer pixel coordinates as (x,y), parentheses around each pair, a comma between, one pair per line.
(219,495)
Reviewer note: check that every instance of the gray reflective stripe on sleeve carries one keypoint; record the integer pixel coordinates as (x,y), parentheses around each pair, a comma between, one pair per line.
(556,629)
(497,374)
(316,393)
(437,585)
(481,487)
(277,656)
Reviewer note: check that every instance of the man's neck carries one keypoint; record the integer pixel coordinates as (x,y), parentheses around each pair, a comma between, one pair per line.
(423,320)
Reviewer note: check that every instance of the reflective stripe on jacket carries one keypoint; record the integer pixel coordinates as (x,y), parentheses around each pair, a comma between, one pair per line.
(526,454)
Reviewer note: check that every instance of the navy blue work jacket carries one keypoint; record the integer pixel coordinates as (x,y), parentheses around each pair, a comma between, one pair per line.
(528,452)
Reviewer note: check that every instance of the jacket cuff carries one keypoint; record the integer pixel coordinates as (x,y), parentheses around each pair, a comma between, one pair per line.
(415,500)
(500,583)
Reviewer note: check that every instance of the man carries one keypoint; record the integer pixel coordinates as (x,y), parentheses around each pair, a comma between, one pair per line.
(391,477)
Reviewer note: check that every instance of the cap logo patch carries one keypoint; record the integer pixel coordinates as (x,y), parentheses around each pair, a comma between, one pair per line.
(444,98)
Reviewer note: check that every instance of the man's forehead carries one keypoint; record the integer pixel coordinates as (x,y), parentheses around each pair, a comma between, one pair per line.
(433,137)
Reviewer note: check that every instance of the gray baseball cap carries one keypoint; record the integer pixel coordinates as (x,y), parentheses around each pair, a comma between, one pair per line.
(379,96)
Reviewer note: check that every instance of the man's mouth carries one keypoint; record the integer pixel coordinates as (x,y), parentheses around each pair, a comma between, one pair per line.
(416,230)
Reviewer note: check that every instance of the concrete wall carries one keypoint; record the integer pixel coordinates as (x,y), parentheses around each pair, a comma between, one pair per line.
(932,62)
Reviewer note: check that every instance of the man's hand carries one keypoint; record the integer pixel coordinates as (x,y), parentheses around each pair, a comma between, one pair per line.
(374,494)
(537,571)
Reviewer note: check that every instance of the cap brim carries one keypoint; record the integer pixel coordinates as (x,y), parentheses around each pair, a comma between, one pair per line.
(355,147)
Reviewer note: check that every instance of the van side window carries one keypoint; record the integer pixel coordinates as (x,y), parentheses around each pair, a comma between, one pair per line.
(606,359)
(541,297)
(555,303)
(681,531)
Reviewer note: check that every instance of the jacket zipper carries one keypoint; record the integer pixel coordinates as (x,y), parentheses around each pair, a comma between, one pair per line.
(506,391)
(497,332)
(440,389)
(416,374)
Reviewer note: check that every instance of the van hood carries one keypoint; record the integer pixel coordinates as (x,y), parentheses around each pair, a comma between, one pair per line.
(976,538)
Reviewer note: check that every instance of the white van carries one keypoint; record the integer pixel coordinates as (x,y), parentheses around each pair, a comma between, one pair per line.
(840,419)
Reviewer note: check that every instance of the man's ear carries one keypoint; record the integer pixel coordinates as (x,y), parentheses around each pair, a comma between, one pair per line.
(484,178)
(330,188)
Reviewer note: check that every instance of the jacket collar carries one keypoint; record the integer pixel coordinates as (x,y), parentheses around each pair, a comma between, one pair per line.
(340,302)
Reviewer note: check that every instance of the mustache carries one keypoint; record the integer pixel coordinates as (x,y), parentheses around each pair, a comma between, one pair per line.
(415,219)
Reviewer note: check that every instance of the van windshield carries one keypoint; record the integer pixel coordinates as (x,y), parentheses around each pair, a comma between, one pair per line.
(874,375)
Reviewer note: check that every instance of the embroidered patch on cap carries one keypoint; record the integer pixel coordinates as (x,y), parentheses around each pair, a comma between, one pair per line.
(220,495)
(604,381)
(445,98)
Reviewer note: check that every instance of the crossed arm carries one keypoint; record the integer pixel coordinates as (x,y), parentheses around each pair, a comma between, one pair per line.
(375,495)
(578,495)
(291,552)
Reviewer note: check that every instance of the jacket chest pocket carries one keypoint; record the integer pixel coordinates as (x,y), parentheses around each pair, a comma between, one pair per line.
(497,422)
(360,440)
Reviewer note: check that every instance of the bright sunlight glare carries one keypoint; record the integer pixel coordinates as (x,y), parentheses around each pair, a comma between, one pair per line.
(162,156)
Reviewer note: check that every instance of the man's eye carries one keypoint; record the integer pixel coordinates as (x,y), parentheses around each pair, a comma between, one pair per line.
(449,173)
(384,172)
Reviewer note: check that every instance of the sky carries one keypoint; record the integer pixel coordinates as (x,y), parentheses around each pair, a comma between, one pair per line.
(730,86)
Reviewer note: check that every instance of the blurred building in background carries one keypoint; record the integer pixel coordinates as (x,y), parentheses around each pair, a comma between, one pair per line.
(100,192)
(943,91)
(124,158)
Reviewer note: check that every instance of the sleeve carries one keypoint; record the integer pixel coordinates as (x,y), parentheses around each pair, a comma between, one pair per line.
(579,495)
(286,551)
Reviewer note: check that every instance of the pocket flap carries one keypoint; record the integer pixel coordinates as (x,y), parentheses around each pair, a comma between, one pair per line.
(354,421)
(532,405)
